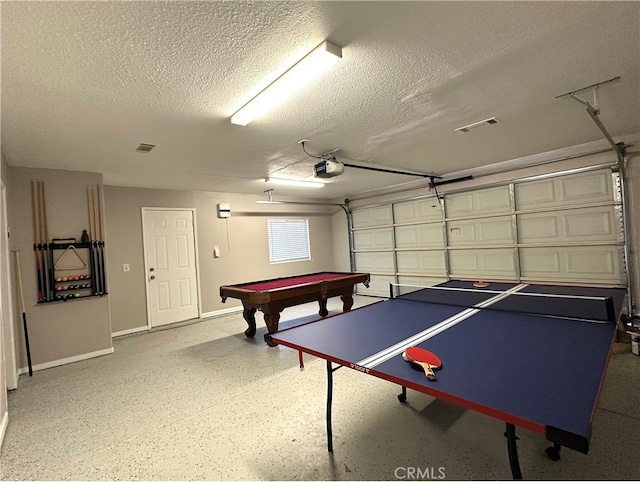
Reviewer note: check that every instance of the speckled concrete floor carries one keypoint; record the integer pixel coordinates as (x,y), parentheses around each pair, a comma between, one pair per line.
(203,402)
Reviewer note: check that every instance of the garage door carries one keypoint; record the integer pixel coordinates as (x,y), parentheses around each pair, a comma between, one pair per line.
(564,228)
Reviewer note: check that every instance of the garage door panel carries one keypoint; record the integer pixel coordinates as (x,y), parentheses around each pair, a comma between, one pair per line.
(373,239)
(420,236)
(372,217)
(596,263)
(481,202)
(597,226)
(574,189)
(428,262)
(592,262)
(380,262)
(587,187)
(481,232)
(545,261)
(538,228)
(570,226)
(483,263)
(422,210)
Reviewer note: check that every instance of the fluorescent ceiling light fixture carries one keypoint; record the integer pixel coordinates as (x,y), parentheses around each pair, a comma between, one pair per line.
(311,65)
(463,129)
(293,182)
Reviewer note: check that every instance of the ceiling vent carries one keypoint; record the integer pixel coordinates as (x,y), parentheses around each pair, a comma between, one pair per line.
(489,121)
(145,148)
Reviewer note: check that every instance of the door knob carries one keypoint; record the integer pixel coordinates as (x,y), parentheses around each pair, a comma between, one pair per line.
(152,277)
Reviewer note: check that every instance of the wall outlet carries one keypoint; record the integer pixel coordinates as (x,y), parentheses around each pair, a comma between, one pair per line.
(216,251)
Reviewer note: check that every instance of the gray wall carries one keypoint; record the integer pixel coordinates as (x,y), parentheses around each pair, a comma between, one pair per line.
(242,240)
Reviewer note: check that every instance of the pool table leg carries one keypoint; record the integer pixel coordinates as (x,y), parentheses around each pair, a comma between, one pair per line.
(271,320)
(347,301)
(249,315)
(323,307)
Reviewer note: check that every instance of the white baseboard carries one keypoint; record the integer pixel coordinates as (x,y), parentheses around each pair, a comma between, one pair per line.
(130,331)
(3,427)
(65,361)
(225,311)
(203,316)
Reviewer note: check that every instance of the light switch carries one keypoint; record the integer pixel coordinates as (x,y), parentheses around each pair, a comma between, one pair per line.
(125,267)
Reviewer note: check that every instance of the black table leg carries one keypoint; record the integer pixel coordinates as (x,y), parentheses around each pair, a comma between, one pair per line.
(329,399)
(403,396)
(513,451)
(554,452)
(330,371)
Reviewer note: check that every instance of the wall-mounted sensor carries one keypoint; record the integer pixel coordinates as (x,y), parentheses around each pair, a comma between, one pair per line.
(224,210)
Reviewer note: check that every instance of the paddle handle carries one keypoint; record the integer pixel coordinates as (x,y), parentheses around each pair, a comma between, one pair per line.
(428,371)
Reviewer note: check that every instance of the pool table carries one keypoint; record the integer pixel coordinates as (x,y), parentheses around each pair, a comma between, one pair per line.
(274,295)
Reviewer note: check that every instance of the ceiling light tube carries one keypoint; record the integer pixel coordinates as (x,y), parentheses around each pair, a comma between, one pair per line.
(311,65)
(293,182)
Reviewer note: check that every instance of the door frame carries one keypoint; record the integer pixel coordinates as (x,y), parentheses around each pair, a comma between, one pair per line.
(7,330)
(144,210)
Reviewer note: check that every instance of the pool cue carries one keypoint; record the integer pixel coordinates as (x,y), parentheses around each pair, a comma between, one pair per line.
(36,239)
(94,240)
(91,243)
(16,254)
(97,235)
(47,251)
(103,278)
(42,242)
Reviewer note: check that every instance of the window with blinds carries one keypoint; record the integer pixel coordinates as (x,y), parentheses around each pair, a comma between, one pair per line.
(288,240)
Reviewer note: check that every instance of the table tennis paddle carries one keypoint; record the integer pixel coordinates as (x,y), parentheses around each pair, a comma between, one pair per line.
(424,358)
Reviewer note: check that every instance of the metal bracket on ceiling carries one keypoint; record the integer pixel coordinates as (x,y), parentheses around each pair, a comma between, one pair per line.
(330,155)
(591,88)
(593,110)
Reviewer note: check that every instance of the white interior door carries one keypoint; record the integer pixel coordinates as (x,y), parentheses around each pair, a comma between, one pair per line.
(170,261)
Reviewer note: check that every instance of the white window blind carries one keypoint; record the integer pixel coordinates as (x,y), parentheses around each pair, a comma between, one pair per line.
(288,240)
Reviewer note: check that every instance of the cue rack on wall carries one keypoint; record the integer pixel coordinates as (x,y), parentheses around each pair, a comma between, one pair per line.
(67,269)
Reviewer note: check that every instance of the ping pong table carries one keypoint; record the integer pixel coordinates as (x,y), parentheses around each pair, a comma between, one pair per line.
(532,356)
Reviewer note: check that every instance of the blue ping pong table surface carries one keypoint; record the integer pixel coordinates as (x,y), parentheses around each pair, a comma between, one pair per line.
(536,371)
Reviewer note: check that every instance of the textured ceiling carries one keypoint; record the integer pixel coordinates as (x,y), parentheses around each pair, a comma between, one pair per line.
(83,83)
